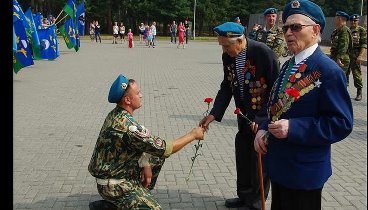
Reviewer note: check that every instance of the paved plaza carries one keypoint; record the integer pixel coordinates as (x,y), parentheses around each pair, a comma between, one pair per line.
(59,108)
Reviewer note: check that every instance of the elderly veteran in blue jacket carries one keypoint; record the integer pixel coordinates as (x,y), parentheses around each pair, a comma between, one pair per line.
(127,158)
(309,109)
(250,69)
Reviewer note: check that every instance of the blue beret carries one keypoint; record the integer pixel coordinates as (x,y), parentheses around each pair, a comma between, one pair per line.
(342,14)
(270,11)
(307,8)
(229,29)
(354,17)
(118,88)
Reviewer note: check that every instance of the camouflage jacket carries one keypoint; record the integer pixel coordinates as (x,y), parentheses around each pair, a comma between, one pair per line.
(341,43)
(273,38)
(359,35)
(120,145)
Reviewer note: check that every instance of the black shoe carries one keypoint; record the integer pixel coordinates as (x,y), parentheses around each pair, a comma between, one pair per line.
(359,95)
(234,203)
(102,205)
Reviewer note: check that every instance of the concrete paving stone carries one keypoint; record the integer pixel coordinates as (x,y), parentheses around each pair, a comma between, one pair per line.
(331,204)
(328,208)
(342,200)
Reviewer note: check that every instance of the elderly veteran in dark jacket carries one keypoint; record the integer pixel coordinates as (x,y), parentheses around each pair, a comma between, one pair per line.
(309,109)
(127,158)
(250,69)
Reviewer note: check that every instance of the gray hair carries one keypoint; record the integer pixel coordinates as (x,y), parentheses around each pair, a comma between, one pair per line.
(232,40)
(311,22)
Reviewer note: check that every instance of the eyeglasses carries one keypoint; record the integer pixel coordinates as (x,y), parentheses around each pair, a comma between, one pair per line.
(294,27)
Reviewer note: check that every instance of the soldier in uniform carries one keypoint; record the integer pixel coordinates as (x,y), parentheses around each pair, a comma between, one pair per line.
(271,34)
(126,152)
(308,110)
(341,42)
(250,69)
(359,35)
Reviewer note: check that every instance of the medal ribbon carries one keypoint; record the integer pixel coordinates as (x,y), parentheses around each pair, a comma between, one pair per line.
(287,74)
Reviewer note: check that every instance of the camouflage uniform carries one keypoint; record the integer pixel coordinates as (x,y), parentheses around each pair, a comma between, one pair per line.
(359,35)
(341,43)
(273,38)
(117,155)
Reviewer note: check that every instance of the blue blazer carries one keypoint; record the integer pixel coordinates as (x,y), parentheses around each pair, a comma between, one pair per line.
(319,118)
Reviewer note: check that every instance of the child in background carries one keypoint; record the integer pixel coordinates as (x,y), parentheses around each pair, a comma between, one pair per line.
(150,38)
(130,39)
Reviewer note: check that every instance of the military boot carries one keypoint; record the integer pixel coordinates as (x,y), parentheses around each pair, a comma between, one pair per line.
(359,94)
(102,205)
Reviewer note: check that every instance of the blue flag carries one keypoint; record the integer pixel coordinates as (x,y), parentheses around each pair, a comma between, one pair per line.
(70,9)
(37,18)
(17,12)
(14,41)
(22,57)
(48,43)
(33,35)
(81,18)
(68,32)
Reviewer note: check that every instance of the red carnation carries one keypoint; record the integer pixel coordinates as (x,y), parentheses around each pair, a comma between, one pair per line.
(293,93)
(208,100)
(237,111)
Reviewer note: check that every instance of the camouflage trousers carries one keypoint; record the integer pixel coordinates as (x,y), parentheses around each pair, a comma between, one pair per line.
(356,70)
(130,194)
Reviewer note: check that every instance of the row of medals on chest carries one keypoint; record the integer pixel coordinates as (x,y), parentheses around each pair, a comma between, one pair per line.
(256,88)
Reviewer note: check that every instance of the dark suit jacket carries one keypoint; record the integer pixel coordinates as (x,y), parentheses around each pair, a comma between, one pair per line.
(263,63)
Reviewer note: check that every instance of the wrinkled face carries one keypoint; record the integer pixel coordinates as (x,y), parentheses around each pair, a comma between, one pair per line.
(270,19)
(297,40)
(134,95)
(232,49)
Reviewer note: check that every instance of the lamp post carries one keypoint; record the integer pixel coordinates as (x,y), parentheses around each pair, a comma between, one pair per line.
(194,13)
(361,9)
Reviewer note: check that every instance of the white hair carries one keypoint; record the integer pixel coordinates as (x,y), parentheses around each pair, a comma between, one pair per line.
(309,21)
(232,40)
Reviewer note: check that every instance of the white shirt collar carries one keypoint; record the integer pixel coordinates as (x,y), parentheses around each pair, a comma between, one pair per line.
(305,53)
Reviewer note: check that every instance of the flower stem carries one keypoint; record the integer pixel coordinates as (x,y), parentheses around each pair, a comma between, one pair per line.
(197,146)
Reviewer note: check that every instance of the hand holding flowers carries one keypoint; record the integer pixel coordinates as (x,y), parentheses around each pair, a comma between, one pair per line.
(292,95)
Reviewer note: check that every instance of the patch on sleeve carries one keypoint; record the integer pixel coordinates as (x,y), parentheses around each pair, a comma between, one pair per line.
(139,131)
(158,142)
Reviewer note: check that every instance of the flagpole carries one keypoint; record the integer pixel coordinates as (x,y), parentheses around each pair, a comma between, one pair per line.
(59,15)
(61,19)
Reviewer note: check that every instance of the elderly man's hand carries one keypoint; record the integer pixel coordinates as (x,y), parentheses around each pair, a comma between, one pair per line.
(146,176)
(205,122)
(254,127)
(279,129)
(259,142)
